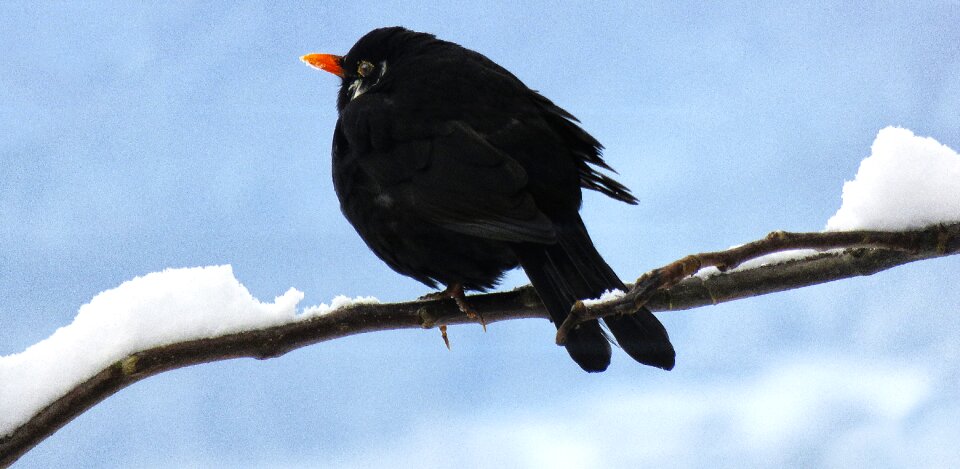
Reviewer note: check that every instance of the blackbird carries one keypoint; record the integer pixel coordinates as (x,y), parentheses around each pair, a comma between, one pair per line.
(453,172)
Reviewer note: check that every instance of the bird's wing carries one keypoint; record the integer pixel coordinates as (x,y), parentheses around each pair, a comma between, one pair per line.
(454,178)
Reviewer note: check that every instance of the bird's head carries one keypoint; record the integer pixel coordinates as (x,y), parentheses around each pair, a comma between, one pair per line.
(365,67)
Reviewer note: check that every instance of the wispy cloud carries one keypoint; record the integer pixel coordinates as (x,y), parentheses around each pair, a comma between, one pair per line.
(822,411)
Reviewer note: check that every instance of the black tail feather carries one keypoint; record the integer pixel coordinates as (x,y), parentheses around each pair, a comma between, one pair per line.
(573,269)
(644,338)
(587,344)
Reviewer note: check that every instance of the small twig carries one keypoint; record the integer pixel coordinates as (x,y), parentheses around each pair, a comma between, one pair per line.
(578,314)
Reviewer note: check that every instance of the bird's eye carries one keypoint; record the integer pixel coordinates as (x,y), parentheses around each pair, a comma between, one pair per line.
(365,68)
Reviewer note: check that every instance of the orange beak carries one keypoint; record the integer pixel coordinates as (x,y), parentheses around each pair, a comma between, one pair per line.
(326,62)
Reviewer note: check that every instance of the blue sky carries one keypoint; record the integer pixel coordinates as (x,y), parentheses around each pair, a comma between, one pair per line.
(136,139)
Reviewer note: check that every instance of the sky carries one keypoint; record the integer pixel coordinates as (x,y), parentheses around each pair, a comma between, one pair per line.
(190,134)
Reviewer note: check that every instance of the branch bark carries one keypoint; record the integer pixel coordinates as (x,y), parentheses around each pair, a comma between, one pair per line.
(668,288)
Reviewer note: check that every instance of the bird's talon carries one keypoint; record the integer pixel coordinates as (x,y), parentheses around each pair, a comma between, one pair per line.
(443,334)
(437,295)
(470,312)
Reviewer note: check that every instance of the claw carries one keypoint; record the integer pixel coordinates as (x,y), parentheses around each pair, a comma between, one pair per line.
(443,334)
(461,300)
(455,291)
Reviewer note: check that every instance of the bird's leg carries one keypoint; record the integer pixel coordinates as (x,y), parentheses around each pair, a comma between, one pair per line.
(455,291)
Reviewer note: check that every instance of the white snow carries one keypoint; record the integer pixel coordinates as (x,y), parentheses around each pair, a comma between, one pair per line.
(155,309)
(608,295)
(776,258)
(907,182)
(339,301)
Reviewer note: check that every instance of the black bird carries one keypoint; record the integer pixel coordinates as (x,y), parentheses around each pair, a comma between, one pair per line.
(453,172)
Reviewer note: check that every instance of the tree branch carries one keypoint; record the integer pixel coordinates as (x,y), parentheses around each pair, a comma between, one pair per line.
(860,253)
(668,288)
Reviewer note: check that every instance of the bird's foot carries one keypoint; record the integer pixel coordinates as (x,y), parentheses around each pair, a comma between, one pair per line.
(455,291)
(437,295)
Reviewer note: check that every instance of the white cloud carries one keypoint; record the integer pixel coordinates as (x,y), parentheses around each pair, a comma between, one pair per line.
(821,410)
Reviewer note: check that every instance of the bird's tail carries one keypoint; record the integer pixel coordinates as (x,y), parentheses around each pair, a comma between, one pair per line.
(573,269)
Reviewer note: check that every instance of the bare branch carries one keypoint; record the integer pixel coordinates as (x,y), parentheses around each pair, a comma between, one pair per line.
(665,289)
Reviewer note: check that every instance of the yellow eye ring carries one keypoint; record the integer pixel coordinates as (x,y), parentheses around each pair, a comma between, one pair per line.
(364,68)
